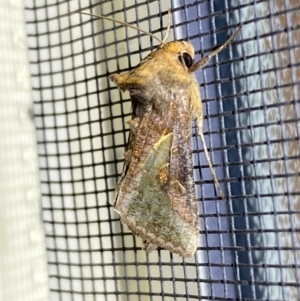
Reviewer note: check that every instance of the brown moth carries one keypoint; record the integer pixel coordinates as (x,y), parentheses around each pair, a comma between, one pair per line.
(155,196)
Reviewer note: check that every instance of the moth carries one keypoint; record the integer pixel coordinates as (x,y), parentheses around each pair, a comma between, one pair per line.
(155,195)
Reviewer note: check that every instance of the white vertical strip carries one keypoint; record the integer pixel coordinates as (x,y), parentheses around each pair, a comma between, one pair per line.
(23,273)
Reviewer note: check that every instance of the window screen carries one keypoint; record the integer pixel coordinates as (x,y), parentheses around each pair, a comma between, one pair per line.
(249,245)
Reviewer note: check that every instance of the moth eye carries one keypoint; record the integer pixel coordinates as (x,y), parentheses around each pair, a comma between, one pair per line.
(185,59)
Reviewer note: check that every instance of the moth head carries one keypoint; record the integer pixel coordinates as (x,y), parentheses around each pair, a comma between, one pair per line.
(181,52)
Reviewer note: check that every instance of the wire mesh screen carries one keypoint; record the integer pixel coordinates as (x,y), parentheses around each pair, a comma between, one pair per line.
(249,245)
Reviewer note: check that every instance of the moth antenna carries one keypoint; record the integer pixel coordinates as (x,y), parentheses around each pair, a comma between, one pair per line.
(168,28)
(200,64)
(211,167)
(120,22)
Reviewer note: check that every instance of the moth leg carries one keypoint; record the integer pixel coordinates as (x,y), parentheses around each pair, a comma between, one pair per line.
(197,113)
(210,165)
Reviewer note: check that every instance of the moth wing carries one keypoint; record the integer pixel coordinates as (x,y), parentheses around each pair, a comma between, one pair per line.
(156,194)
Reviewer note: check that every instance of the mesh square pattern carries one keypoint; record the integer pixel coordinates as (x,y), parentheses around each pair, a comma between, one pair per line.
(249,245)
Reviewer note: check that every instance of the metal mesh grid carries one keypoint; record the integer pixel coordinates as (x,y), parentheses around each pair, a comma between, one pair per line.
(250,244)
